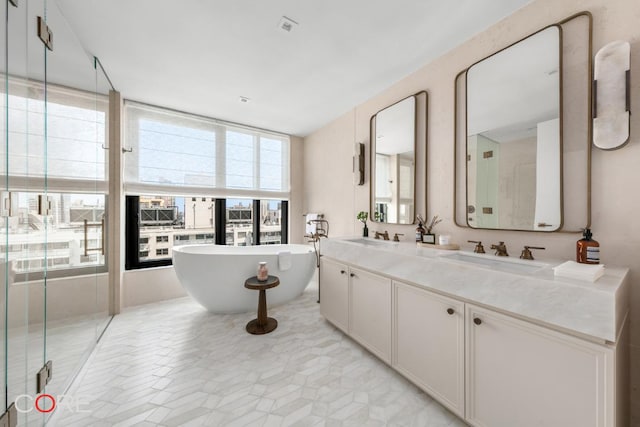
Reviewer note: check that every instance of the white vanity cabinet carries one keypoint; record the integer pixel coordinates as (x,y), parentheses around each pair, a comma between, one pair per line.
(370,312)
(428,337)
(358,303)
(492,347)
(334,293)
(520,374)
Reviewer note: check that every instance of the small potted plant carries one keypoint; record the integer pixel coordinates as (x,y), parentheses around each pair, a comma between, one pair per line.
(362,217)
(429,237)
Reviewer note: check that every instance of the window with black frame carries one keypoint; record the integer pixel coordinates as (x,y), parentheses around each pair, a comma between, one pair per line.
(156,224)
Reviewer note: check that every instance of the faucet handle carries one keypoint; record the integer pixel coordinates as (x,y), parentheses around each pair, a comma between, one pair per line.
(526,252)
(501,249)
(395,237)
(479,249)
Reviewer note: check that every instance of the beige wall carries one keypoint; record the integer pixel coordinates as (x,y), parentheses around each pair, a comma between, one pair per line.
(328,181)
(296,221)
(150,285)
(90,298)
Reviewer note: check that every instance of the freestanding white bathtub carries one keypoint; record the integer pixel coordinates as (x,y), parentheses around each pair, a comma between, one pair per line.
(214,275)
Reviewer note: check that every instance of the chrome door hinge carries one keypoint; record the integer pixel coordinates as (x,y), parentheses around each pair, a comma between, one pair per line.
(44,376)
(44,205)
(10,417)
(45,34)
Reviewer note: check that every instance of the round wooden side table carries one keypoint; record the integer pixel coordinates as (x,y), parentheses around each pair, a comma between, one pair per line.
(263,324)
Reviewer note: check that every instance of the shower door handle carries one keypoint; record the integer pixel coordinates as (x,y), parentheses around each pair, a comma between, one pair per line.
(7,204)
(100,248)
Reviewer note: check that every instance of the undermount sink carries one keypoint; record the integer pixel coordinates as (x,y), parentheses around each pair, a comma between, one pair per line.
(370,242)
(507,265)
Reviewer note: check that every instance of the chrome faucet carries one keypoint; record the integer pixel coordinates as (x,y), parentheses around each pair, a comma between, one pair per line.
(396,238)
(501,249)
(322,229)
(385,235)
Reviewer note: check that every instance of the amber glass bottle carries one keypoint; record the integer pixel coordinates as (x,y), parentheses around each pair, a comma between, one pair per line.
(419,232)
(587,249)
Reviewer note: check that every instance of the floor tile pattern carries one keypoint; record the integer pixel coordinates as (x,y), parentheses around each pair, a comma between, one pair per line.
(175,364)
(68,343)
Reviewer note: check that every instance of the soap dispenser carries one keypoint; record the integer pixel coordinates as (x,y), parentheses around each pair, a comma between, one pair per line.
(587,249)
(420,230)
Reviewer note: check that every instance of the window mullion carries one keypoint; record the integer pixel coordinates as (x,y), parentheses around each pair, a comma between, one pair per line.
(256,222)
(256,162)
(221,221)
(221,157)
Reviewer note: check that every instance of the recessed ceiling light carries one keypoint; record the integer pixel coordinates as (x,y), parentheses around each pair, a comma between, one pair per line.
(287,24)
(244,99)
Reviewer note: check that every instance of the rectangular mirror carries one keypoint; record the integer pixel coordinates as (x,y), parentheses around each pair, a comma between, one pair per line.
(513,136)
(393,163)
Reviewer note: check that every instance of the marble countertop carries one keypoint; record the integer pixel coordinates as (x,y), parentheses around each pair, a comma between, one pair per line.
(594,310)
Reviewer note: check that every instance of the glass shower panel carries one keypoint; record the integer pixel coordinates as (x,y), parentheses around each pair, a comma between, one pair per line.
(76,186)
(4,279)
(24,227)
(102,90)
(53,192)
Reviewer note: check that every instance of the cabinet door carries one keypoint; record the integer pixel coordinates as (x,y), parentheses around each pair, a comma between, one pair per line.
(334,293)
(370,312)
(429,343)
(519,374)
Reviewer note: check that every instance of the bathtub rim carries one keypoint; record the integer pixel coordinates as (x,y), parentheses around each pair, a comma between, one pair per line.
(201,249)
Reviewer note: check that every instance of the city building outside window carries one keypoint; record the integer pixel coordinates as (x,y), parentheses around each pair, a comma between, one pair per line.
(187,221)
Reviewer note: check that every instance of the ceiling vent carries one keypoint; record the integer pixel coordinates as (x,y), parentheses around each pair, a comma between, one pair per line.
(286,24)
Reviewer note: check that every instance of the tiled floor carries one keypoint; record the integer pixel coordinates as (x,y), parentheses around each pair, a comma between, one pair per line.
(175,364)
(68,343)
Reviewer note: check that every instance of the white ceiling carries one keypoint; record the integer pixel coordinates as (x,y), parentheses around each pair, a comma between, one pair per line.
(200,56)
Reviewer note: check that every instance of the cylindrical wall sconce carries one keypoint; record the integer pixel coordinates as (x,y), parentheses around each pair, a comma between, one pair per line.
(611,96)
(358,163)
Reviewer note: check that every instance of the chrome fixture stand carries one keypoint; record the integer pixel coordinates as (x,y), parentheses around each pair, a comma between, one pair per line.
(322,230)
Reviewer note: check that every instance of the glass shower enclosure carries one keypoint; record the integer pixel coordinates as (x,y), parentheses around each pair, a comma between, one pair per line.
(54,283)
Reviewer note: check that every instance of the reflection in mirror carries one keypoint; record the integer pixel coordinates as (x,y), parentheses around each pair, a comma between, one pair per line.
(393,165)
(514,143)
